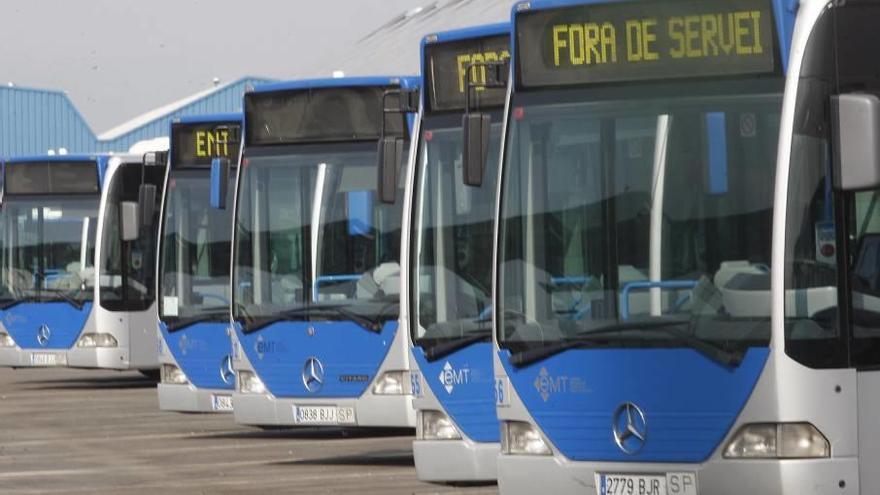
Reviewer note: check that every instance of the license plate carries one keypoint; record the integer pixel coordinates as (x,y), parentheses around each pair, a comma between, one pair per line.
(221,402)
(323,415)
(47,359)
(646,484)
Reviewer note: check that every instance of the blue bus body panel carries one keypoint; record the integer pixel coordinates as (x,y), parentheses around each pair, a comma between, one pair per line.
(785,12)
(463,382)
(65,323)
(689,401)
(350,356)
(200,350)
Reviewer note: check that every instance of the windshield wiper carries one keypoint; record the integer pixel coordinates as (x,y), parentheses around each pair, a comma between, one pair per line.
(63,296)
(306,313)
(719,354)
(447,347)
(181,323)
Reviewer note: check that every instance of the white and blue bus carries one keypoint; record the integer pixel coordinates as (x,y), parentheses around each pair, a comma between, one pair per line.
(193,267)
(448,237)
(686,288)
(77,263)
(316,249)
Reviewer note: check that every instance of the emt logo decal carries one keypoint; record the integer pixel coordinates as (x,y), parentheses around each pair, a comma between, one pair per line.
(548,385)
(450,377)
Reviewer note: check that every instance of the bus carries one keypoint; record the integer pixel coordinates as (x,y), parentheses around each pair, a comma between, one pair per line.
(193,268)
(702,177)
(316,249)
(77,263)
(447,247)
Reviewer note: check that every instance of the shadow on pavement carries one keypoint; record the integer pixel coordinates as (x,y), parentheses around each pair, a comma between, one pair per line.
(311,433)
(387,458)
(127,381)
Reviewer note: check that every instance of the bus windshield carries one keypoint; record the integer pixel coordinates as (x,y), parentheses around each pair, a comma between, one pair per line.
(454,227)
(628,214)
(195,249)
(48,248)
(311,232)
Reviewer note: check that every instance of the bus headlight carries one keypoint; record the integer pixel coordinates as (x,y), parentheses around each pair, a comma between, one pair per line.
(521,438)
(97,340)
(434,425)
(391,383)
(6,340)
(173,375)
(250,383)
(778,441)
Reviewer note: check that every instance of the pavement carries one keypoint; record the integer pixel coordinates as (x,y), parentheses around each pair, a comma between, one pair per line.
(96,432)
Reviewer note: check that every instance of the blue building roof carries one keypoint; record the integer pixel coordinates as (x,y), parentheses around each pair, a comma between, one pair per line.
(33,121)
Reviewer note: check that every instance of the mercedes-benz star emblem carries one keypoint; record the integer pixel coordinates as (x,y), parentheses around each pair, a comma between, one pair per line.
(630,428)
(43,335)
(313,375)
(227,373)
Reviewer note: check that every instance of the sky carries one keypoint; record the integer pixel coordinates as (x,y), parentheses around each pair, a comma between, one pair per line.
(120,58)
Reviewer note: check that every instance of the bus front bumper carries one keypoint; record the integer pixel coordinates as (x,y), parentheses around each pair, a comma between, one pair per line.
(16,357)
(548,474)
(455,460)
(383,411)
(114,358)
(187,398)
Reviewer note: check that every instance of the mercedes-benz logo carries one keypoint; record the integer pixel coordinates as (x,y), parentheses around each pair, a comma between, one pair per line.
(313,375)
(227,373)
(43,335)
(630,428)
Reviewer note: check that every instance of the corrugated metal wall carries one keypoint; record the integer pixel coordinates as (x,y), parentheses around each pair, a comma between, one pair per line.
(33,121)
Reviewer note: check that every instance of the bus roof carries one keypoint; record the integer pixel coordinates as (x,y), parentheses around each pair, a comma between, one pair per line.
(466,33)
(57,158)
(213,117)
(339,82)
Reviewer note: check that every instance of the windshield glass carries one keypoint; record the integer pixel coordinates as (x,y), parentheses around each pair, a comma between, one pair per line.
(626,210)
(195,248)
(454,227)
(311,231)
(48,247)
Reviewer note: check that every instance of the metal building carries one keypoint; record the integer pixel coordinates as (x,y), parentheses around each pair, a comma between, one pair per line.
(33,121)
(393,48)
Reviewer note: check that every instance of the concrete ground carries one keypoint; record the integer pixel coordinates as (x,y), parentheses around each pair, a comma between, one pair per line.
(96,432)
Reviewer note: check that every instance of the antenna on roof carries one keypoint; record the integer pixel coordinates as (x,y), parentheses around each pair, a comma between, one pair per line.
(338,74)
(216,81)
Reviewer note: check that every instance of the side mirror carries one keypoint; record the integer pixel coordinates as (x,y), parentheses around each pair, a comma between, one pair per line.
(475,146)
(476,125)
(390,151)
(856,141)
(391,147)
(219,182)
(147,203)
(128,219)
